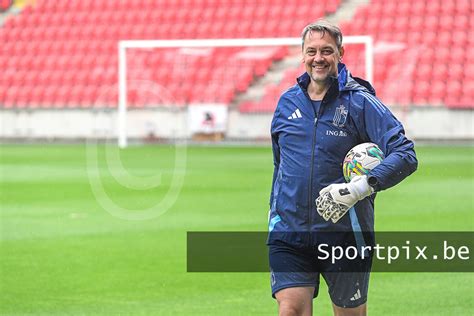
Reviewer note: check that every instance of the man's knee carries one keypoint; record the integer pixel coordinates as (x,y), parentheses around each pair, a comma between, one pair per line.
(295,301)
(288,308)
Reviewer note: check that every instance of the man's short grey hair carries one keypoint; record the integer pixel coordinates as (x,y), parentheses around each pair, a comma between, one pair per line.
(323,27)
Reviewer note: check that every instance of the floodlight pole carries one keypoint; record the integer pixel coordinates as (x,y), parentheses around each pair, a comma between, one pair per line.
(234,42)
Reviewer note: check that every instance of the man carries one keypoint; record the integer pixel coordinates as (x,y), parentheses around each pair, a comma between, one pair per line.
(315,124)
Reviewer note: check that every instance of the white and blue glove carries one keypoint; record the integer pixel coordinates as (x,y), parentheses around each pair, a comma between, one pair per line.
(336,199)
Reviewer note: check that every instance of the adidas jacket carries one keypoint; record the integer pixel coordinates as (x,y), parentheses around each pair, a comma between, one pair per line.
(309,148)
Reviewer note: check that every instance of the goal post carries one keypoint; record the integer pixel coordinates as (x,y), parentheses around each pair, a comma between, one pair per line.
(125,45)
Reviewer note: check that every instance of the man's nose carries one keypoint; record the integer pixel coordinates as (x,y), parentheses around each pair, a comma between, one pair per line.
(318,56)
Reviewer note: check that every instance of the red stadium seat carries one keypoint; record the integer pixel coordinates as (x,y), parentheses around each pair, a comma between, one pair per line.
(455,72)
(463,6)
(9,98)
(437,93)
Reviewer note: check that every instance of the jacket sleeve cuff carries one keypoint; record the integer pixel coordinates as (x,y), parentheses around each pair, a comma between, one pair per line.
(374,183)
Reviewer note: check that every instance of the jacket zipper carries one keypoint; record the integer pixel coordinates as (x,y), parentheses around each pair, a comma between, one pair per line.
(313,143)
(310,197)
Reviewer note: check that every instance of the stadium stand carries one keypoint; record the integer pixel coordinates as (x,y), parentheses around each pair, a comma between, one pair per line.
(60,53)
(421,48)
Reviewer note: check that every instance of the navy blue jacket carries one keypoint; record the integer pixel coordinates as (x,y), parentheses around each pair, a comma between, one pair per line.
(309,148)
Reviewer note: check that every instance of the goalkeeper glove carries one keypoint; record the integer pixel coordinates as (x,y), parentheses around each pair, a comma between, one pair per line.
(336,199)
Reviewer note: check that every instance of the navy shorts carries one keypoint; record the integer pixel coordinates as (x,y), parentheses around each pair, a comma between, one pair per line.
(299,267)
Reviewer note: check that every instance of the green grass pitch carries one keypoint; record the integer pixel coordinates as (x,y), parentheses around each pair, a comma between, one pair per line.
(61,253)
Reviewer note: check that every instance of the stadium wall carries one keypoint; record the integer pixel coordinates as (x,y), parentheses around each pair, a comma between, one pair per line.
(159,124)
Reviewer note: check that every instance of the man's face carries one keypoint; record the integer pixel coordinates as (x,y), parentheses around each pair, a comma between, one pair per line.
(320,56)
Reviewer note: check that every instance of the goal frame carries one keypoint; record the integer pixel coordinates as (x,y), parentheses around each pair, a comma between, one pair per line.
(123,45)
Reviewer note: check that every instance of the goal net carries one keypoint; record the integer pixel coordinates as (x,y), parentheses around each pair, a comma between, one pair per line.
(212,89)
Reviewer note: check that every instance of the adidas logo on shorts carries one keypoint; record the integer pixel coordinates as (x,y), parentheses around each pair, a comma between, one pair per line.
(356,296)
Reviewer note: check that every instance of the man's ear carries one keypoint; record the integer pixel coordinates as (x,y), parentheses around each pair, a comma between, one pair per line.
(341,53)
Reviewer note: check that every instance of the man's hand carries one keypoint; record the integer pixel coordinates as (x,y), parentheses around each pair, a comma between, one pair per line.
(336,199)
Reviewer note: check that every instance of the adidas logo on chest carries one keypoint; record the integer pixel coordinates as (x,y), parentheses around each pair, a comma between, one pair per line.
(295,115)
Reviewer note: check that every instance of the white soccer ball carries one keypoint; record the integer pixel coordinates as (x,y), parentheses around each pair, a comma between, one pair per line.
(361,159)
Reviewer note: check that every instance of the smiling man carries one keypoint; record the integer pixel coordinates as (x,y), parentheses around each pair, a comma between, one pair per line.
(321,55)
(315,124)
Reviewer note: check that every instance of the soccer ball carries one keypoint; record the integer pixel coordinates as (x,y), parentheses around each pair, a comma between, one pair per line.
(361,159)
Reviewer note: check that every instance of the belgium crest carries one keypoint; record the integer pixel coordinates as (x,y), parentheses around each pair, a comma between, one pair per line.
(340,116)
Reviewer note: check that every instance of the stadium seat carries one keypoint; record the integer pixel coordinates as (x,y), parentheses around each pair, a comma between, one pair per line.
(437,93)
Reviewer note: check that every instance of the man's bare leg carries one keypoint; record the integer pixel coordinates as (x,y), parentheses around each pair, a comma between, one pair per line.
(295,301)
